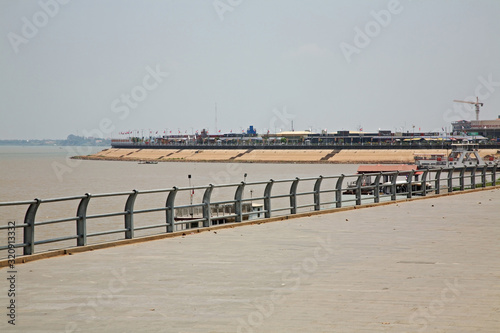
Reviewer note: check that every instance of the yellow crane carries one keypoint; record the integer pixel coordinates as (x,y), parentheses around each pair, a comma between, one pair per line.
(476,104)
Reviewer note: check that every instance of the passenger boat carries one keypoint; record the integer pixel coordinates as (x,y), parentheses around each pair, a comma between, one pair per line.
(461,155)
(385,181)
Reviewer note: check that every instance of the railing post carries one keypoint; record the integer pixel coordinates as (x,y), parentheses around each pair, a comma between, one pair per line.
(81,222)
(29,229)
(238,209)
(317,189)
(267,198)
(293,196)
(376,194)
(450,179)
(437,183)
(170,212)
(393,185)
(473,178)
(129,215)
(207,214)
(338,191)
(358,189)
(410,184)
(494,175)
(483,176)
(424,182)
(462,179)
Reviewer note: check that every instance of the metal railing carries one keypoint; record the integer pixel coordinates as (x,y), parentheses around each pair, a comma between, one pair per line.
(338,192)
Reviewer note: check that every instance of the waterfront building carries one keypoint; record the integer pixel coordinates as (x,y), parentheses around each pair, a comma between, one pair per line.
(486,128)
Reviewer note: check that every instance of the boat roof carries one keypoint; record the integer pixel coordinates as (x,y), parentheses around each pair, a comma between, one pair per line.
(375,168)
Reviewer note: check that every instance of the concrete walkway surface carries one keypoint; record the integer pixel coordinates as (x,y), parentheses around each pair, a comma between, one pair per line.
(422,266)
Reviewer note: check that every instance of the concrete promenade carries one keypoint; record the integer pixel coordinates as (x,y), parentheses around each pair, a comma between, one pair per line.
(428,265)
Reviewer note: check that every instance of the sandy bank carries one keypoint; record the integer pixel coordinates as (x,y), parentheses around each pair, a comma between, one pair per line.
(269,156)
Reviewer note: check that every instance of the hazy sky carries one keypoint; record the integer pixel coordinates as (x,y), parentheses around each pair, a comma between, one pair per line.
(103,67)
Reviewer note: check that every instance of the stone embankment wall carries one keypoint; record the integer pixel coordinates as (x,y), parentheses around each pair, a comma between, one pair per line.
(269,156)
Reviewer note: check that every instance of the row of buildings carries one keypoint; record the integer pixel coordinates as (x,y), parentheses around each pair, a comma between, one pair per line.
(486,128)
(478,130)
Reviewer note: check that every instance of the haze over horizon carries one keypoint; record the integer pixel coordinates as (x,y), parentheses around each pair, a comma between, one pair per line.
(102,68)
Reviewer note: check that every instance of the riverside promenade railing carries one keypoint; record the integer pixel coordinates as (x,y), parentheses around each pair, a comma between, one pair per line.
(277,197)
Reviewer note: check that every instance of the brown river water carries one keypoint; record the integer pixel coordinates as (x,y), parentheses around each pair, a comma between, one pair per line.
(48,172)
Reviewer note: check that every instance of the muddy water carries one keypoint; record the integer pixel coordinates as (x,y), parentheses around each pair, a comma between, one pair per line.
(48,172)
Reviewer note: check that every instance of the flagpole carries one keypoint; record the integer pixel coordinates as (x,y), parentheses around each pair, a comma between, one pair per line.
(215,117)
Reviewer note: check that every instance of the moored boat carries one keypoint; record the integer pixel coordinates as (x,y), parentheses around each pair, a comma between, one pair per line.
(461,155)
(368,185)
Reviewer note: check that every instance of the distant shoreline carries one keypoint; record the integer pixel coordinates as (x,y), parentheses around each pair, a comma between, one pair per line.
(305,156)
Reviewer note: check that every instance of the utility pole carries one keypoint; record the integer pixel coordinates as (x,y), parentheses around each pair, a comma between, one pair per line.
(191,192)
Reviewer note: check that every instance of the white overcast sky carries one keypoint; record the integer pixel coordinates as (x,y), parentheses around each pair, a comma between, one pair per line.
(265,63)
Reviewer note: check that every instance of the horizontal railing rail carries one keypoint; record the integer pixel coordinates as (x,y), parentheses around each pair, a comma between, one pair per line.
(274,197)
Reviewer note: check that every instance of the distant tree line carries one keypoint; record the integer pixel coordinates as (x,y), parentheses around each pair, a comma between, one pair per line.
(71,140)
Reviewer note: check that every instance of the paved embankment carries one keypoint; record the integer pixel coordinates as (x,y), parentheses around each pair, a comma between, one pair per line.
(269,155)
(421,266)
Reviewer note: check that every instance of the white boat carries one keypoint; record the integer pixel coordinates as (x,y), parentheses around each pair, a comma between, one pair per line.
(461,155)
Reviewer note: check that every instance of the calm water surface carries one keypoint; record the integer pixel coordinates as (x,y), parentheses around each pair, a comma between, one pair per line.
(48,172)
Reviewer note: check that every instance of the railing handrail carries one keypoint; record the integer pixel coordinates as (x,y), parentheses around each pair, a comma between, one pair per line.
(207,211)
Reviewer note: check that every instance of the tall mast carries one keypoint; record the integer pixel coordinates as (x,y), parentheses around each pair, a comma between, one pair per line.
(216,118)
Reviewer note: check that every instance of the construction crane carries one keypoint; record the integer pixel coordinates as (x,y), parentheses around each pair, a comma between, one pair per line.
(476,103)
